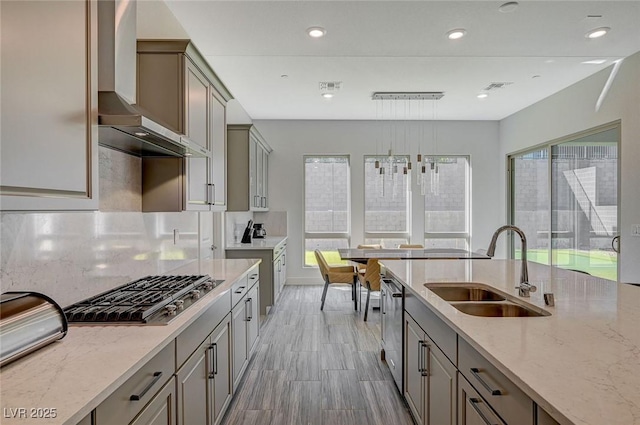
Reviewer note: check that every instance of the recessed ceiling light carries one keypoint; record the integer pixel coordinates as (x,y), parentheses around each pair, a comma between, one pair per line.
(456,33)
(483,96)
(141,134)
(284,76)
(188,154)
(316,32)
(508,7)
(327,95)
(536,76)
(598,32)
(594,62)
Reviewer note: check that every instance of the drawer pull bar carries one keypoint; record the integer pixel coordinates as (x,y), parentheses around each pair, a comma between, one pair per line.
(425,359)
(476,372)
(156,377)
(240,290)
(474,403)
(420,361)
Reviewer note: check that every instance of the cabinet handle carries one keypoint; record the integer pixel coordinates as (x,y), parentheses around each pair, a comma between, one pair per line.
(253,276)
(263,201)
(250,309)
(474,403)
(420,362)
(284,259)
(476,372)
(213,196)
(214,360)
(255,201)
(425,359)
(382,295)
(156,377)
(246,310)
(240,290)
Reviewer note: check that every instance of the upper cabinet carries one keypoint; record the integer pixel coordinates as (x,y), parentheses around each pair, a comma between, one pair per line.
(177,87)
(49,150)
(248,156)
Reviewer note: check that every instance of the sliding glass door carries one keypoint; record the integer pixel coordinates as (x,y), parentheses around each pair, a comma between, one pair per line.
(584,205)
(570,187)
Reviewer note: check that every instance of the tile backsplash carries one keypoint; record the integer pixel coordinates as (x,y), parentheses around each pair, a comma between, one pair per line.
(72,256)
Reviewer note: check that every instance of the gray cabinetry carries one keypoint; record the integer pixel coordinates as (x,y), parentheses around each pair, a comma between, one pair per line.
(240,358)
(128,401)
(273,269)
(509,402)
(430,378)
(178,88)
(248,156)
(203,382)
(472,409)
(245,323)
(49,151)
(161,410)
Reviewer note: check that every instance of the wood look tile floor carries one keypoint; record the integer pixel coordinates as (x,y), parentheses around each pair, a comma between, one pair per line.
(318,367)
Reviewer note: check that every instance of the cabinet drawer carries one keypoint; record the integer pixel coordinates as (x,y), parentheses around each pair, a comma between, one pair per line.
(443,336)
(514,406)
(189,340)
(119,408)
(239,289)
(473,409)
(253,277)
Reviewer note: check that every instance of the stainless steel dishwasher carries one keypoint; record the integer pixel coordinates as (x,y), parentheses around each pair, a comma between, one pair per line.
(391,309)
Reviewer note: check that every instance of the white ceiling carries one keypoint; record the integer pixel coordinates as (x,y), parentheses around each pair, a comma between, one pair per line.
(401,46)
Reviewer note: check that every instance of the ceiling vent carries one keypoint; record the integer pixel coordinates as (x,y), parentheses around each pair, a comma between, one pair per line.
(496,86)
(330,86)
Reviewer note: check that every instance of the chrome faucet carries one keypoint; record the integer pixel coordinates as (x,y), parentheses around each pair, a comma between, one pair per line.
(524,288)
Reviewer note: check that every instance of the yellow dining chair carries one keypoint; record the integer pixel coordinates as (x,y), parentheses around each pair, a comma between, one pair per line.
(336,274)
(371,280)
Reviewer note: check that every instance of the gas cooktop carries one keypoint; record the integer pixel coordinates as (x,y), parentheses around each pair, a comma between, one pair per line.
(150,300)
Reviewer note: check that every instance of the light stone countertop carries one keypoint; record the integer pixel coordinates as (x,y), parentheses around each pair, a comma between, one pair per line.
(75,374)
(581,364)
(268,242)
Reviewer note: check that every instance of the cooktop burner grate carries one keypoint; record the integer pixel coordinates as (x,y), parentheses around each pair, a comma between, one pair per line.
(152,299)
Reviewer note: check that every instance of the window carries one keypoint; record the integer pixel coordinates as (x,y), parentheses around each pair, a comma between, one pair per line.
(386,202)
(446,202)
(327,211)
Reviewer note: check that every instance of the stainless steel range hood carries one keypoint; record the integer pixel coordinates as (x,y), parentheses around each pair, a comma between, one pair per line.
(123,126)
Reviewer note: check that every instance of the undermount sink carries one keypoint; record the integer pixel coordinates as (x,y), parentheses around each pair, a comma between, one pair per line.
(463,292)
(478,299)
(505,309)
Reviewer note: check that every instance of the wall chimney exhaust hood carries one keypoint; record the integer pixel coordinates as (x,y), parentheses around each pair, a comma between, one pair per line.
(123,126)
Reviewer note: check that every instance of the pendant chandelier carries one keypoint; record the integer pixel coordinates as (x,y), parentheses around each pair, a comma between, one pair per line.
(389,105)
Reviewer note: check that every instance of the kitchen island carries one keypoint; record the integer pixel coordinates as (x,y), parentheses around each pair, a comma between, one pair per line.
(581,363)
(71,377)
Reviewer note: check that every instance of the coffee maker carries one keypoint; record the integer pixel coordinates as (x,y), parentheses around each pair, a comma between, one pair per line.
(259,231)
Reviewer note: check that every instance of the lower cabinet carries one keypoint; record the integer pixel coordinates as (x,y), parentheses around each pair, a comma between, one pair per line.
(239,327)
(161,410)
(472,409)
(245,325)
(430,378)
(204,381)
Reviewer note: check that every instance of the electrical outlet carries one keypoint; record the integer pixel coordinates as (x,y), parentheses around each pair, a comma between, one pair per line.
(176,236)
(635,230)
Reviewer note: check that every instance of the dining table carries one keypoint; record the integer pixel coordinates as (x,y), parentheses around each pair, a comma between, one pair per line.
(363,255)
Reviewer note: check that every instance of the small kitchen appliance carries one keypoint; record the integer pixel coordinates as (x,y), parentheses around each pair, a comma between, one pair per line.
(28,321)
(259,232)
